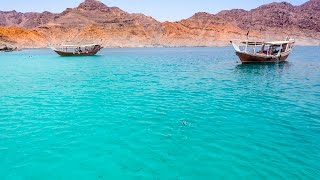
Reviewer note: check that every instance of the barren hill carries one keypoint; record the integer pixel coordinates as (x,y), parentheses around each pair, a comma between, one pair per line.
(93,21)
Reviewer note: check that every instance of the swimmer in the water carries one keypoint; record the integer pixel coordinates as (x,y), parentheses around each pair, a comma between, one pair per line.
(185,123)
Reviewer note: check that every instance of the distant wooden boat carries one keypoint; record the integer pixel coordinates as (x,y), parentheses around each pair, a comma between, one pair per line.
(74,50)
(263,52)
(8,49)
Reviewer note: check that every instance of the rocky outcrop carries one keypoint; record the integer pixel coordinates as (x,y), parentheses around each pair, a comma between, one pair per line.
(25,20)
(22,37)
(93,21)
(268,22)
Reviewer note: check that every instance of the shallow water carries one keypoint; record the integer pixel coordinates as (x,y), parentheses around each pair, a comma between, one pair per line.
(186,113)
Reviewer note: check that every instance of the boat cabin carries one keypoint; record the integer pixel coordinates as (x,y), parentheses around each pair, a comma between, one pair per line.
(77,49)
(266,48)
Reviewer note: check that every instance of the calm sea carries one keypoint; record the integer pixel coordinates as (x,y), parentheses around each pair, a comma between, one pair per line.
(185,113)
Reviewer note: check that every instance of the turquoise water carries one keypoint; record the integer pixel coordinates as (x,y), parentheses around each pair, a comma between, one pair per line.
(188,113)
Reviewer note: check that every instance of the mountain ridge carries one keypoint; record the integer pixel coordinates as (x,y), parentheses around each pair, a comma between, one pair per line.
(93,21)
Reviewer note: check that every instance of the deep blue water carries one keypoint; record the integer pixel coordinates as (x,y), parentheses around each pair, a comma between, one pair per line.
(185,113)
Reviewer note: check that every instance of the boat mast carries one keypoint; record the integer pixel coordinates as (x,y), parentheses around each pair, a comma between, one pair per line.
(279,53)
(246,49)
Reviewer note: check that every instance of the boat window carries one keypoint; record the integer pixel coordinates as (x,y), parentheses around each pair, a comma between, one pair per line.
(252,49)
(284,47)
(274,50)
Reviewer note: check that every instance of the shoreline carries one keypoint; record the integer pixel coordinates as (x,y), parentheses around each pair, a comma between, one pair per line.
(165,47)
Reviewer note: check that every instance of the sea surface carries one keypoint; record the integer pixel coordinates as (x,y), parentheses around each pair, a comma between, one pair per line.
(180,113)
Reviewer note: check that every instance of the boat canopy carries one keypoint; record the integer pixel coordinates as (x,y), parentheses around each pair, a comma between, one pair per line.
(279,42)
(86,45)
(76,48)
(259,43)
(253,43)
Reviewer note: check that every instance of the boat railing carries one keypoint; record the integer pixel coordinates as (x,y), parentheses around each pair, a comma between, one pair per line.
(275,48)
(236,47)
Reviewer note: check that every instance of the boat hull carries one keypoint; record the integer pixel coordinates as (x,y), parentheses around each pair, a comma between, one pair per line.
(61,53)
(255,58)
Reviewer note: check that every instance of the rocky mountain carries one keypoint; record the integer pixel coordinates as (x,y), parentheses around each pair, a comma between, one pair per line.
(275,20)
(26,20)
(93,21)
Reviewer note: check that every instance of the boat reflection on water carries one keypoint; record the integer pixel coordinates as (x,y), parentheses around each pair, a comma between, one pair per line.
(262,68)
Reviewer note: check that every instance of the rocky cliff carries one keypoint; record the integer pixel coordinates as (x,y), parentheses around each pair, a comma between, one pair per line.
(93,21)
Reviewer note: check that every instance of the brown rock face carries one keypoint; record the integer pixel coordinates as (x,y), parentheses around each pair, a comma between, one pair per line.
(26,20)
(93,21)
(90,5)
(271,21)
(23,37)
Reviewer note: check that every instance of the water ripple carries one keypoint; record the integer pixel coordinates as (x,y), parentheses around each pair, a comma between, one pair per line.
(159,113)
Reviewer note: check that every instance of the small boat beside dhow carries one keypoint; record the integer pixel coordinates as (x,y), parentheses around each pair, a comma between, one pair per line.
(75,50)
(8,49)
(263,52)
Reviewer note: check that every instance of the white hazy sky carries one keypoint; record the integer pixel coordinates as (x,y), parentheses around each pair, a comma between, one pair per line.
(162,10)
